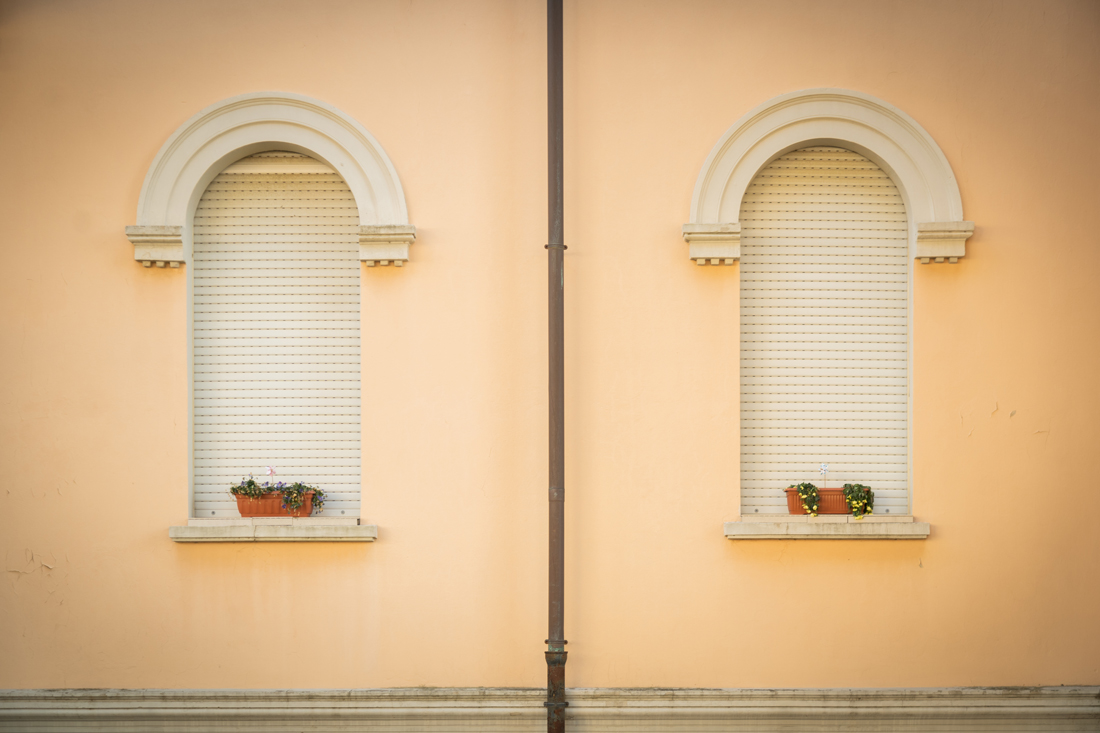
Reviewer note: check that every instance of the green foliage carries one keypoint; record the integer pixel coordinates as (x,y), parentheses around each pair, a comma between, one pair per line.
(294,496)
(809,496)
(250,487)
(860,498)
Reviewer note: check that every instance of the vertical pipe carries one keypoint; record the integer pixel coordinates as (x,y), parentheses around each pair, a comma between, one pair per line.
(556,654)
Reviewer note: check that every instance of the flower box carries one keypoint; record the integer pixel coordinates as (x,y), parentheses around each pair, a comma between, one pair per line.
(271,505)
(276,499)
(831,501)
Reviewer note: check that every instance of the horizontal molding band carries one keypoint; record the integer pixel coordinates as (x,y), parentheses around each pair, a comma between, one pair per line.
(232,532)
(590,709)
(826,527)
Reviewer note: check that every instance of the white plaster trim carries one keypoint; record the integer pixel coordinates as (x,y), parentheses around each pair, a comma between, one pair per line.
(940,240)
(275,529)
(252,123)
(713,244)
(848,119)
(826,527)
(382,245)
(157,244)
(590,710)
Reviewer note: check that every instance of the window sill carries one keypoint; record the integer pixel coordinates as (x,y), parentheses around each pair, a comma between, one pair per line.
(826,527)
(274,529)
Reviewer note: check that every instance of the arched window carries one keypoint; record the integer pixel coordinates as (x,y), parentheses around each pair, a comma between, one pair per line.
(825,197)
(275,329)
(273,201)
(824,329)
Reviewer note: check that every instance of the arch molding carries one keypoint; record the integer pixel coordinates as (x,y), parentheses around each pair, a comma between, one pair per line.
(252,123)
(844,118)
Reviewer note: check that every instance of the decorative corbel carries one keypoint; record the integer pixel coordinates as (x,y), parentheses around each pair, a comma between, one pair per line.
(157,244)
(713,244)
(940,240)
(382,245)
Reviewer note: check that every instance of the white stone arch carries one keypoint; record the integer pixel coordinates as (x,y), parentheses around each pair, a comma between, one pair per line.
(252,123)
(853,120)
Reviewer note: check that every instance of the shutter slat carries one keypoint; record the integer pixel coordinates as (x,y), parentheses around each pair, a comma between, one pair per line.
(249,353)
(230,241)
(301,445)
(248,261)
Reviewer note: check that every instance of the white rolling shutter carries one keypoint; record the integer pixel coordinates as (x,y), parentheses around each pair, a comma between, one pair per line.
(824,329)
(276,332)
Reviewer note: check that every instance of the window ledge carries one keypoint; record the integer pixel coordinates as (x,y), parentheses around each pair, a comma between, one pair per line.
(274,529)
(826,527)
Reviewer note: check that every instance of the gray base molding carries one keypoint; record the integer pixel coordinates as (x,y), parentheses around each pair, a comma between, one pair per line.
(591,710)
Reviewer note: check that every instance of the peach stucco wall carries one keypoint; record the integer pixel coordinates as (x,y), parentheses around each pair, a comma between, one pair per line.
(93,429)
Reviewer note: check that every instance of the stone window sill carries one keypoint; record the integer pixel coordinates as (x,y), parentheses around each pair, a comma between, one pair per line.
(826,527)
(275,529)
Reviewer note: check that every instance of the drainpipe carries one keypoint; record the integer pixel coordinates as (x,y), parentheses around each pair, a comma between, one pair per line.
(555,644)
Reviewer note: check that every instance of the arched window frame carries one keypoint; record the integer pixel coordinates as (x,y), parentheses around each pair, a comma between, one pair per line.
(194,155)
(880,132)
(853,120)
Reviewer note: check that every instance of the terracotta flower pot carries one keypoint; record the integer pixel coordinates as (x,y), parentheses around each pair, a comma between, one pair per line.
(271,505)
(830,501)
(268,505)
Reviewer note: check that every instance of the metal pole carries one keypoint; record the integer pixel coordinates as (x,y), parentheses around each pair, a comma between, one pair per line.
(555,653)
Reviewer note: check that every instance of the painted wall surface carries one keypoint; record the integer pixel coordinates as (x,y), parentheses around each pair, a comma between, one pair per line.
(93,429)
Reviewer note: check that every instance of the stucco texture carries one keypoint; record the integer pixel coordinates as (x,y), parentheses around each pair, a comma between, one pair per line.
(1006,356)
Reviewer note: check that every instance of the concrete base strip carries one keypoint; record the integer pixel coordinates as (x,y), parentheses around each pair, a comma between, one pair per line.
(592,710)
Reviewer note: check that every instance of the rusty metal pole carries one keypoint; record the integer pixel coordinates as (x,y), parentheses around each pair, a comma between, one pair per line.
(555,644)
